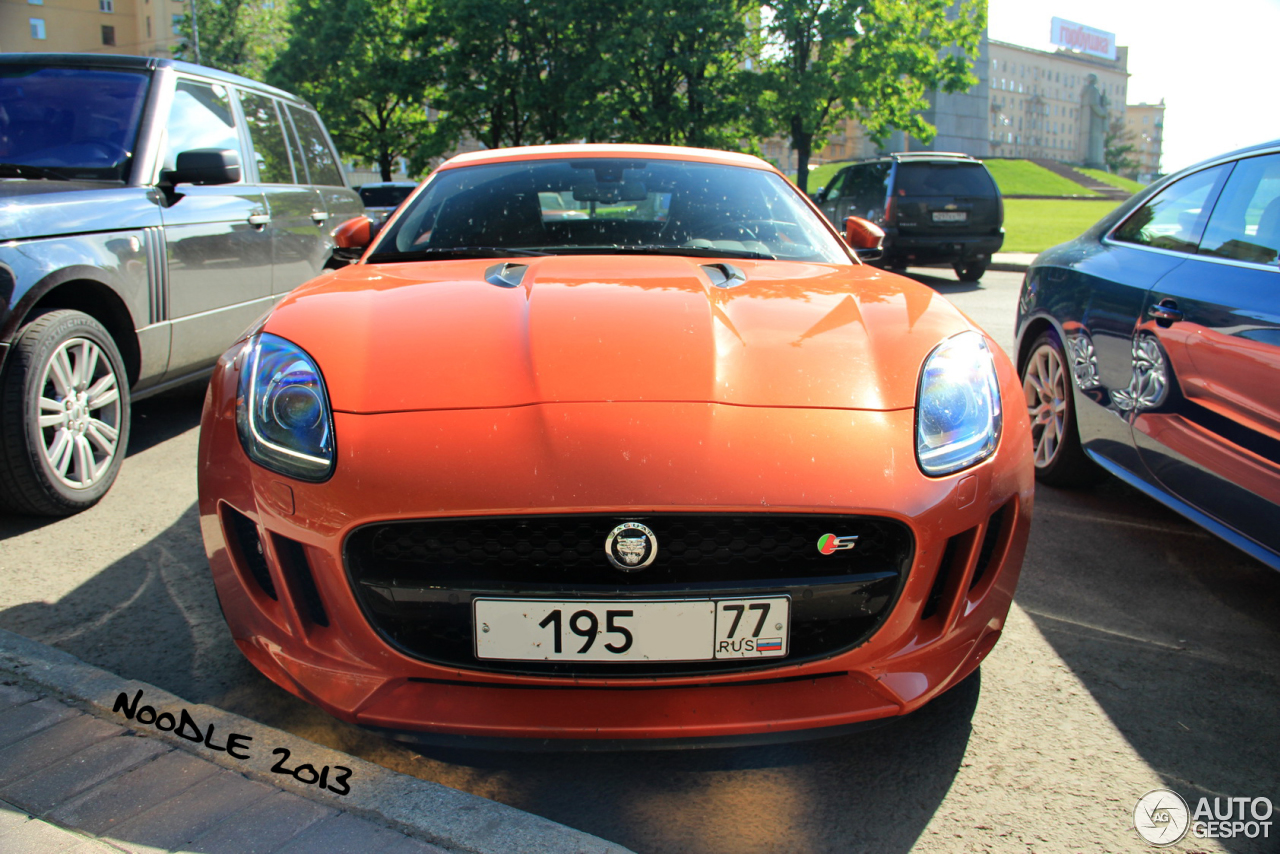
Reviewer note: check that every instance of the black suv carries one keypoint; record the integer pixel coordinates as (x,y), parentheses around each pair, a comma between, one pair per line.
(935,209)
(150,210)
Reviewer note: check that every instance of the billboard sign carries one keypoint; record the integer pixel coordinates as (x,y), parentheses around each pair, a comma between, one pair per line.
(1075,36)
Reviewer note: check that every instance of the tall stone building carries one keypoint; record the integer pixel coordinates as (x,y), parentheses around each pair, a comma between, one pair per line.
(1036,108)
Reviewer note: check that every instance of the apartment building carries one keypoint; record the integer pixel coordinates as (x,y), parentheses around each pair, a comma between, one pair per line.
(136,27)
(1145,123)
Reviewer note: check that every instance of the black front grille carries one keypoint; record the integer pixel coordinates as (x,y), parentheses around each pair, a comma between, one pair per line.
(416,580)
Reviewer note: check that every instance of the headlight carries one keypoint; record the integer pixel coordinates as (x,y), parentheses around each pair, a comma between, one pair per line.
(958,413)
(282,410)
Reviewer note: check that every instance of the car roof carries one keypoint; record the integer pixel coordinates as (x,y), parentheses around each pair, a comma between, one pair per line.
(140,63)
(655,152)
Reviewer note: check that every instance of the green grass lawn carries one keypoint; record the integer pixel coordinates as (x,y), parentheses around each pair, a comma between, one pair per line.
(1113,180)
(1024,178)
(1033,225)
(822,175)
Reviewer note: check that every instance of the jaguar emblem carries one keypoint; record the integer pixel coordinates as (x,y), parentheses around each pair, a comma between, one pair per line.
(631,547)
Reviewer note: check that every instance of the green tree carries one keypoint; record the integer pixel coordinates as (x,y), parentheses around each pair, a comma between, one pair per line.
(240,36)
(824,61)
(355,61)
(511,72)
(1118,144)
(526,72)
(673,73)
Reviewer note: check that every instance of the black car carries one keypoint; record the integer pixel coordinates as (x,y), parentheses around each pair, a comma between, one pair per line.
(935,209)
(150,210)
(1150,346)
(382,199)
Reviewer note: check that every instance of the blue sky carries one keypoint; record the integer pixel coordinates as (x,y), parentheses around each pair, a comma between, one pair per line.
(1212,63)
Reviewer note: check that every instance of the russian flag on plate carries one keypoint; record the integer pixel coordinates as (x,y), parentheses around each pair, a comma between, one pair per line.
(769,645)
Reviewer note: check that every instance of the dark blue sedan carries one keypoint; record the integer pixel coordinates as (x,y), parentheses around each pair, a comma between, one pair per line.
(1150,345)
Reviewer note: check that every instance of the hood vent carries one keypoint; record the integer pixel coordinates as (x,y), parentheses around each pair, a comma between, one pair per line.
(506,275)
(724,275)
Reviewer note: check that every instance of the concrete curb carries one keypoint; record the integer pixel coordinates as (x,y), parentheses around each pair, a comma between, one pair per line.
(446,817)
(1007,267)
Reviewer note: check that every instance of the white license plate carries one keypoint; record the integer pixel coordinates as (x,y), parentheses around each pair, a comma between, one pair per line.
(950,216)
(629,630)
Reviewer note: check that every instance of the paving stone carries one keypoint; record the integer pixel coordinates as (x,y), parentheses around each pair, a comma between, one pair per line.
(41,749)
(93,846)
(63,780)
(21,721)
(186,816)
(121,798)
(11,817)
(262,827)
(342,834)
(12,695)
(409,845)
(39,837)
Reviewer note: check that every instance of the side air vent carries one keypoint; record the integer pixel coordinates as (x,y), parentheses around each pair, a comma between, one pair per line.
(244,538)
(995,530)
(506,275)
(302,584)
(724,275)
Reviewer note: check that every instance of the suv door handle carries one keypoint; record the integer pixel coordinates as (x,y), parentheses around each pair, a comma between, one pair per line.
(259,219)
(1166,310)
(319,216)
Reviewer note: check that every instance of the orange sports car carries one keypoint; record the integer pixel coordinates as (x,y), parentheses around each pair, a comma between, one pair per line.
(608,445)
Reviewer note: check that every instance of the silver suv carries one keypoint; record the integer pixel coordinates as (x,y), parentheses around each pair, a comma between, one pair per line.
(150,210)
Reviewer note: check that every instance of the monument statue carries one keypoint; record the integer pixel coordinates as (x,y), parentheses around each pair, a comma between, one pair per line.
(1094,113)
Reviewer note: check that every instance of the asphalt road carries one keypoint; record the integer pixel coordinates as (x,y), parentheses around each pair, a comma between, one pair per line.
(1140,652)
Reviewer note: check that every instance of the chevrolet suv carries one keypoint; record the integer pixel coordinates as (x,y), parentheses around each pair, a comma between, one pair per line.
(150,210)
(935,209)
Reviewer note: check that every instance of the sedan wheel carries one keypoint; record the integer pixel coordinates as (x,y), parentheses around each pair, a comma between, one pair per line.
(64,424)
(1046,383)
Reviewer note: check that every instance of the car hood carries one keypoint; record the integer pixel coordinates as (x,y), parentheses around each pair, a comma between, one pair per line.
(437,335)
(30,209)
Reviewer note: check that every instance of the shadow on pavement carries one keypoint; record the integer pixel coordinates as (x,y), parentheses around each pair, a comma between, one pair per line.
(1175,633)
(153,615)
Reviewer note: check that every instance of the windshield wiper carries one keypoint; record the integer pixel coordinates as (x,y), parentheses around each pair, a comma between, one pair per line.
(22,170)
(659,249)
(438,253)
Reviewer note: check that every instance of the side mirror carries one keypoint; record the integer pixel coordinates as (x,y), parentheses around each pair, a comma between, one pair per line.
(354,234)
(351,239)
(816,195)
(864,237)
(205,166)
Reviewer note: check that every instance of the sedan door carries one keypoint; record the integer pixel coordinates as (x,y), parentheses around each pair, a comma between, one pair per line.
(1215,442)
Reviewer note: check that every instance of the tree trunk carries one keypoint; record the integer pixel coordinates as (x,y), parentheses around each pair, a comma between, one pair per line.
(802,144)
(384,164)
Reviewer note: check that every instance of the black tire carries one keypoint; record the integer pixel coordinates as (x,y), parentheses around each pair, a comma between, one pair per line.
(1059,459)
(970,272)
(65,467)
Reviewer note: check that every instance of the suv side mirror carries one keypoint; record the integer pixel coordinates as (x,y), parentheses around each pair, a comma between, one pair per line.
(816,195)
(205,166)
(864,237)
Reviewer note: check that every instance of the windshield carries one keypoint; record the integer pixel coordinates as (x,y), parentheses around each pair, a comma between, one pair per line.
(77,123)
(385,197)
(609,205)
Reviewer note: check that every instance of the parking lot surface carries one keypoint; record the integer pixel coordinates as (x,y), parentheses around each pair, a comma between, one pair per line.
(1141,652)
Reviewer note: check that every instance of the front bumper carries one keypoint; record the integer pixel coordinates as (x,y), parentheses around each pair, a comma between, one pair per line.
(292,610)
